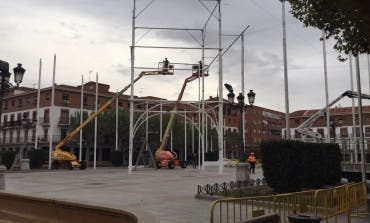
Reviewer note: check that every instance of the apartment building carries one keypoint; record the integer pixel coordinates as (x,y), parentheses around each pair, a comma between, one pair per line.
(343,129)
(21,125)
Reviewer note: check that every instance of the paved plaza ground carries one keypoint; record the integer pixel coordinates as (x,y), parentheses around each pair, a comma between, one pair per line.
(166,194)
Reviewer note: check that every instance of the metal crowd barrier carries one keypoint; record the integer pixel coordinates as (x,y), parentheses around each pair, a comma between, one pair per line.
(324,203)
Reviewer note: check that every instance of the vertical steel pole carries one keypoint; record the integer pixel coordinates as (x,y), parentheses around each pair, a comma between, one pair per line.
(326,89)
(185,135)
(353,112)
(146,125)
(81,116)
(171,140)
(368,69)
(117,121)
(38,105)
(203,143)
(220,97)
(160,122)
(243,92)
(286,84)
(362,148)
(96,119)
(206,132)
(131,140)
(192,133)
(199,125)
(52,113)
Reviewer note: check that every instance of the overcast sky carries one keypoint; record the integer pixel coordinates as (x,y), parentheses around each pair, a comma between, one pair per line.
(90,36)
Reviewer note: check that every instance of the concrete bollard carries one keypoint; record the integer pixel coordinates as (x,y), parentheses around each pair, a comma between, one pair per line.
(242,172)
(25,164)
(2,177)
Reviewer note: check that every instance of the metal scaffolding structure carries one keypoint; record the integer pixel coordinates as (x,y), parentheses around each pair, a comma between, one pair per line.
(215,13)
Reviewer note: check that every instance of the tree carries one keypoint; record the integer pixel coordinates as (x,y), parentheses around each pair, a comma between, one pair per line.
(347,21)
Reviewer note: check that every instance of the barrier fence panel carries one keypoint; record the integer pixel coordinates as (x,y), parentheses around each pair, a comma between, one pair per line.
(324,203)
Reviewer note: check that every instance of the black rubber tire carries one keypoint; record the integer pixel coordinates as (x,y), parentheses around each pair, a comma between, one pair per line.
(158,165)
(83,165)
(68,165)
(171,165)
(54,165)
(183,164)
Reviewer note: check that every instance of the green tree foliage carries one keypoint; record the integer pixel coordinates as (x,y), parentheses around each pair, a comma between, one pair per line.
(7,158)
(290,165)
(37,158)
(347,21)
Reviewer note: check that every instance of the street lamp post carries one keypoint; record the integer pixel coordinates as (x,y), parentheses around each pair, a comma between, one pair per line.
(5,77)
(333,125)
(241,105)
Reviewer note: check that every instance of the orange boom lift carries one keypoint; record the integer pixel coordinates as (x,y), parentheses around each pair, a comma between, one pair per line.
(170,158)
(69,160)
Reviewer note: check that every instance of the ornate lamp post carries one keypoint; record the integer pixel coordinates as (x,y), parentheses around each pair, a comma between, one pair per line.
(5,77)
(241,105)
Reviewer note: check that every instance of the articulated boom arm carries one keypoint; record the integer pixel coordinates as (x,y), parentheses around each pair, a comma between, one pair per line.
(303,128)
(103,107)
(171,122)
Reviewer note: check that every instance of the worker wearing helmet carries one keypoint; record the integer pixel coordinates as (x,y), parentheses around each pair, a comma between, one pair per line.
(252,162)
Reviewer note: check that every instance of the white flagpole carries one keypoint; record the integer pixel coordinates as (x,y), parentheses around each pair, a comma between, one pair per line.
(38,104)
(81,116)
(116,122)
(96,119)
(185,134)
(52,113)
(353,112)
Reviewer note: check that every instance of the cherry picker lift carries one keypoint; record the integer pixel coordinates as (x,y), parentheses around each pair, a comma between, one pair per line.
(166,158)
(69,160)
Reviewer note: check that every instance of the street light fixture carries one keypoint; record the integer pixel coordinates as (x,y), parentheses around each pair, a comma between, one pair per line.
(241,104)
(5,77)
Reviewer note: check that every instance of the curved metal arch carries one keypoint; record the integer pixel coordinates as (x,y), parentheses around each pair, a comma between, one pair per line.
(153,115)
(139,122)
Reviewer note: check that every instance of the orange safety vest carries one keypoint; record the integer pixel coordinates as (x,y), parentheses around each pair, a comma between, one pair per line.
(252,159)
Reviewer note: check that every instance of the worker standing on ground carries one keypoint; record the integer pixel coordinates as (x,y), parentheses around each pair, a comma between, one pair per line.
(252,162)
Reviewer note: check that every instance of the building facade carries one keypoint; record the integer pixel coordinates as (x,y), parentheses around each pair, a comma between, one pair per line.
(22,125)
(344,128)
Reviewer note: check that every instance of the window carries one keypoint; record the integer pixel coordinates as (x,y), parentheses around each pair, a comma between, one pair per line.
(11,120)
(47,96)
(27,100)
(64,116)
(18,135)
(33,135)
(13,102)
(63,133)
(4,135)
(35,99)
(5,105)
(344,132)
(367,131)
(46,130)
(20,102)
(296,122)
(66,99)
(19,119)
(5,120)
(46,116)
(34,116)
(11,136)
(85,100)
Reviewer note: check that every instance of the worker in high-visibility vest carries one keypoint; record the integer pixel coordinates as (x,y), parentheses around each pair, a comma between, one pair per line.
(252,162)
